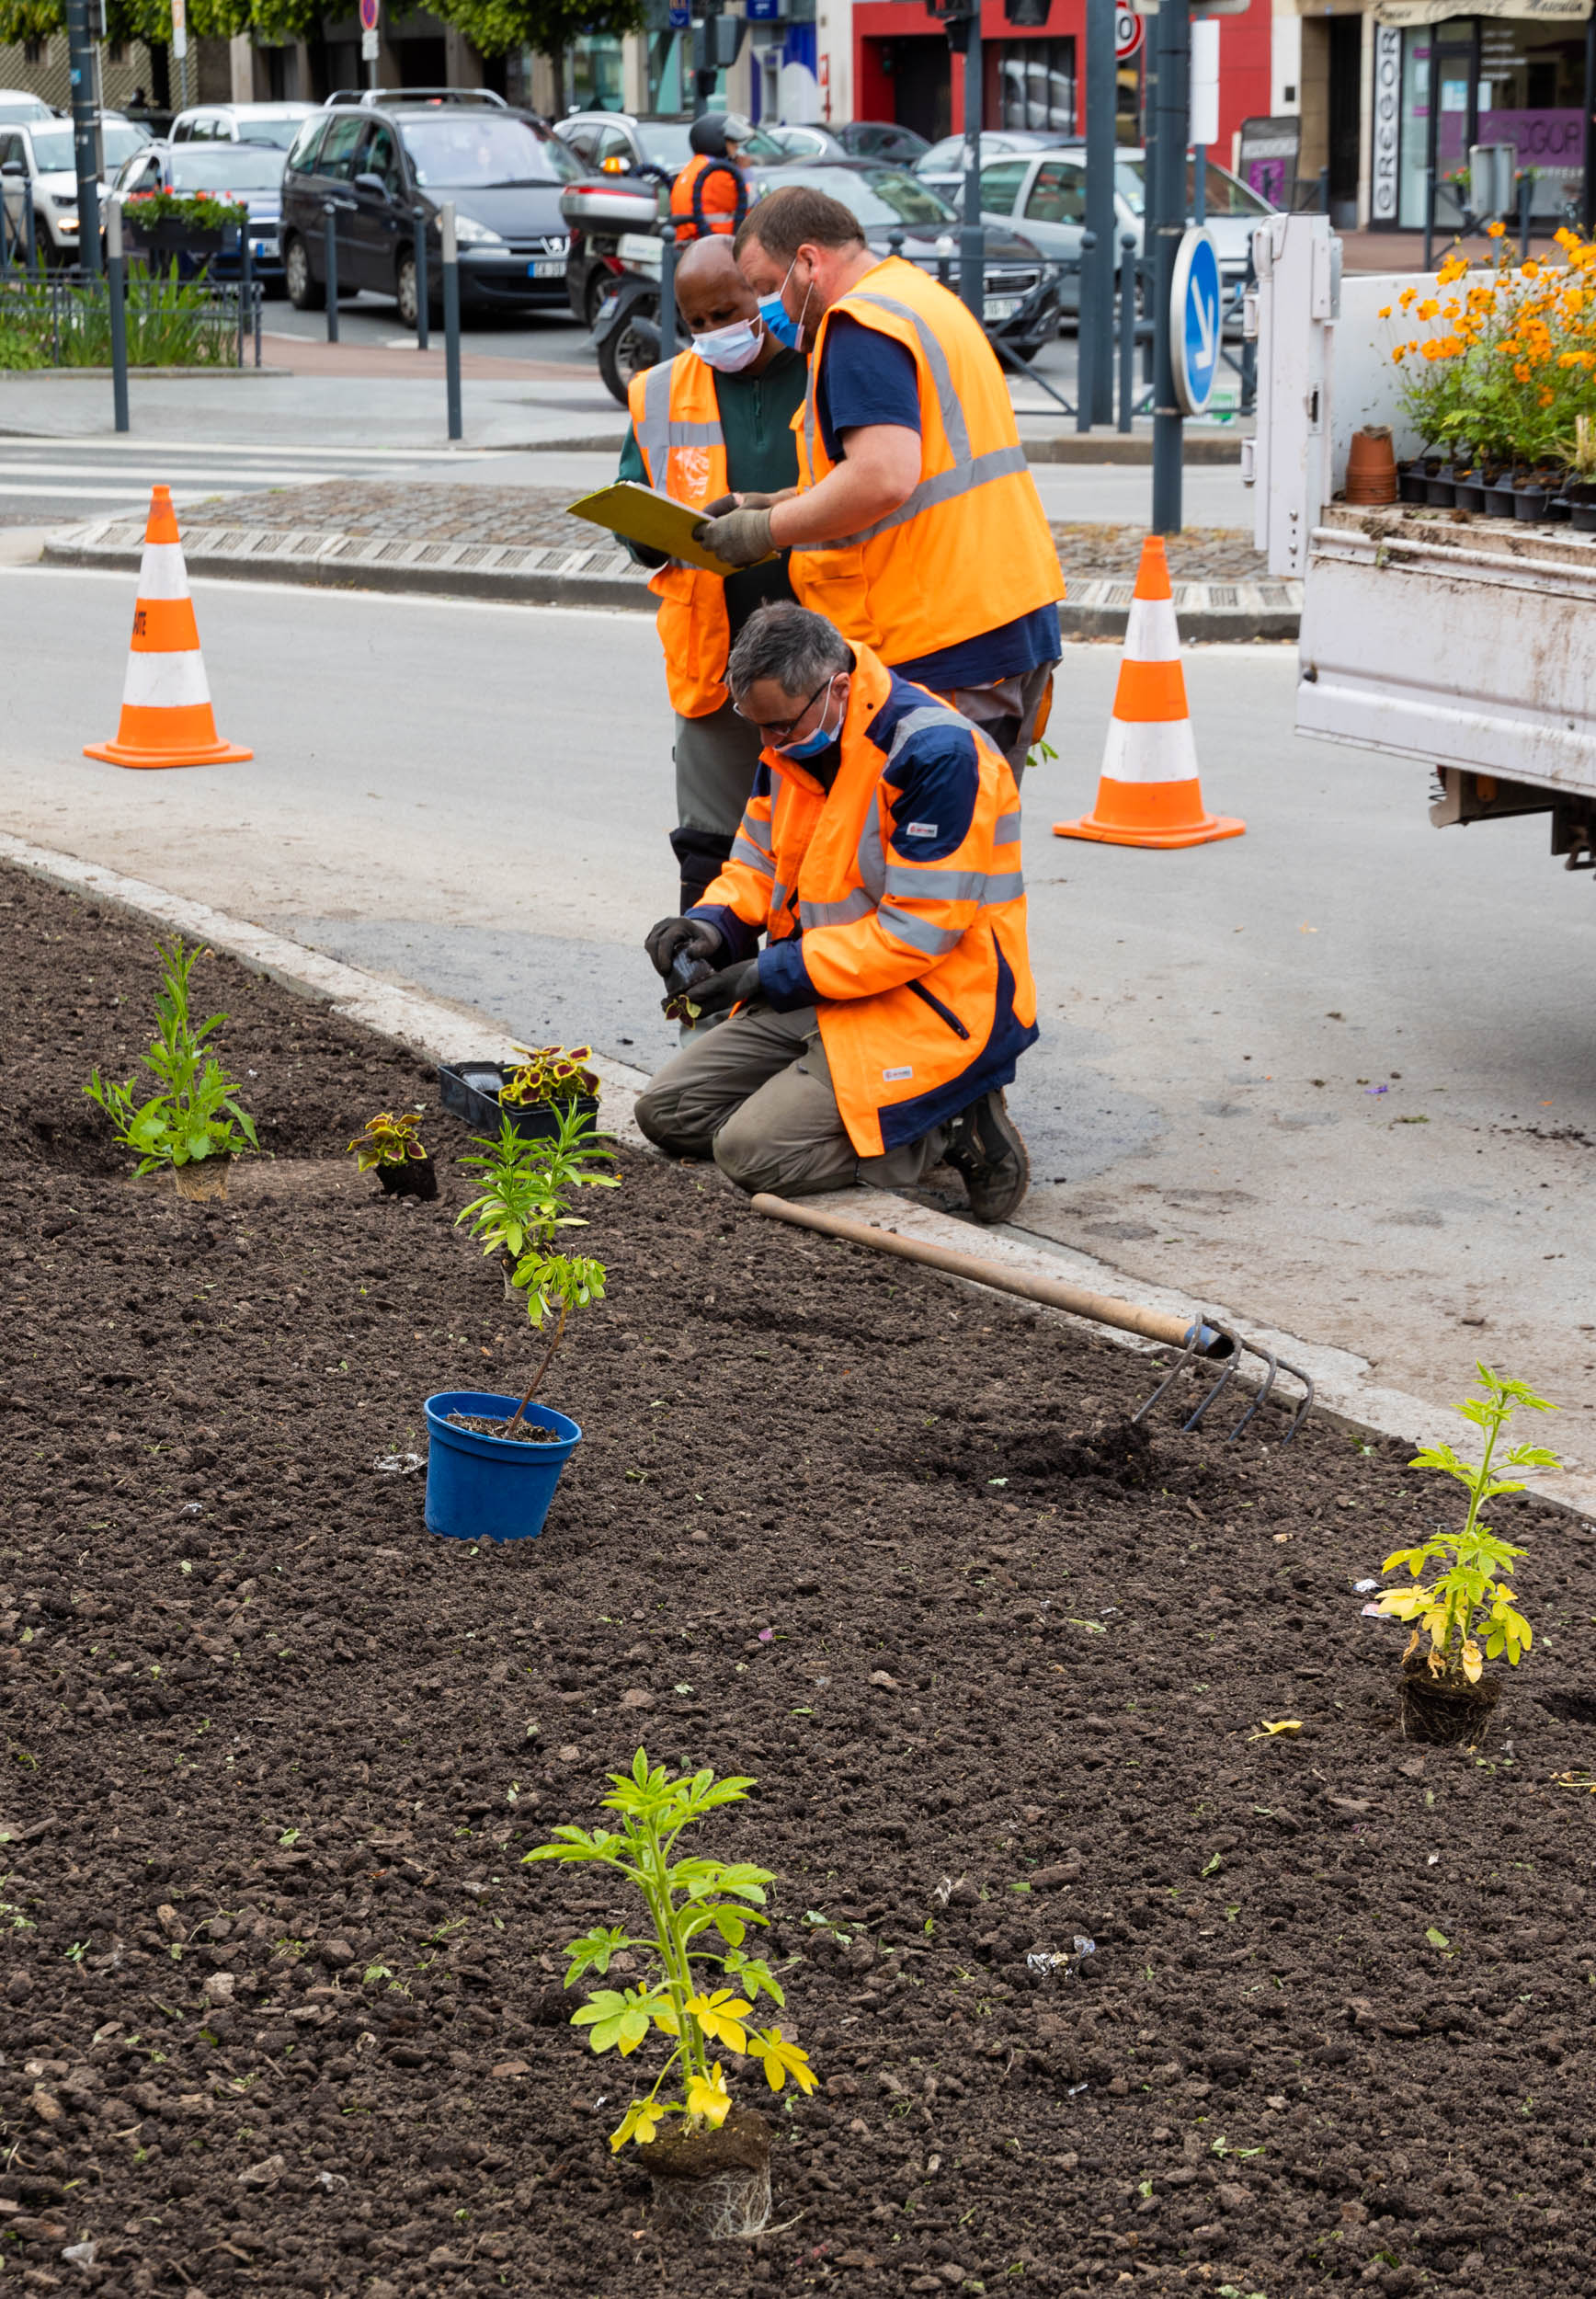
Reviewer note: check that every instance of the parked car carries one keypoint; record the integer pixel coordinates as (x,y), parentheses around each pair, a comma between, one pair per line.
(640,143)
(378,162)
(241,123)
(880,139)
(40,153)
(250,172)
(942,164)
(17,104)
(1043,195)
(804,142)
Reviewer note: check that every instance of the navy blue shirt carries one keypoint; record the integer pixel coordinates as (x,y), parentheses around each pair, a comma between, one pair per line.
(866,377)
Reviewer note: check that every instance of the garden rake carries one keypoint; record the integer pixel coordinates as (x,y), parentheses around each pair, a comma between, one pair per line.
(1200,1339)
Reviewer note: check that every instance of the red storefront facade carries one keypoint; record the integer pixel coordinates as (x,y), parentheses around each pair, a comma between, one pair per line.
(1034,75)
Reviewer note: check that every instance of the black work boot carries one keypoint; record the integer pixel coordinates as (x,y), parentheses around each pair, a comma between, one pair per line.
(986,1146)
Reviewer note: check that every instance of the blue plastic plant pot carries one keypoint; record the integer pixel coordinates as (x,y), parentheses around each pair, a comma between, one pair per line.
(483,1488)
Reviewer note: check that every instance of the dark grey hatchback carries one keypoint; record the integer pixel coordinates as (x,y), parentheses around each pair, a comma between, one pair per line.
(378,159)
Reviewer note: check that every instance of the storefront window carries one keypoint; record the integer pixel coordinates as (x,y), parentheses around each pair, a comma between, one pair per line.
(1493,80)
(594,66)
(1036,85)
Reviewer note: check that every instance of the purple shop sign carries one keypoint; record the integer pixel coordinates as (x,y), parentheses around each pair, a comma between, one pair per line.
(1550,139)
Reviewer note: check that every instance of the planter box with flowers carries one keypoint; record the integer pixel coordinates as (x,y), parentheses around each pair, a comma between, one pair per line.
(171,225)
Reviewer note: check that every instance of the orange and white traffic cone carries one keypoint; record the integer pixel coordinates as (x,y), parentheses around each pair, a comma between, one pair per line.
(1149,793)
(167,716)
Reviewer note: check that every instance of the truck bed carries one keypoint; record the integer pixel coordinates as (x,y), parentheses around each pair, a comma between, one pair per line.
(1453,641)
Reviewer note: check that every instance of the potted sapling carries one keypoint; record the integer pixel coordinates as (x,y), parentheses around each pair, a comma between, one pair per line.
(193,1127)
(709,2157)
(390,1146)
(493,1461)
(1467,1611)
(535,1094)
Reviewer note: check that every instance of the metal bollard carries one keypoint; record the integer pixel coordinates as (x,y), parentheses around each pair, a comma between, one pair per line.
(1526,194)
(668,293)
(1127,328)
(245,287)
(1429,262)
(423,286)
(947,248)
(451,317)
(118,311)
(29,228)
(1083,336)
(332,269)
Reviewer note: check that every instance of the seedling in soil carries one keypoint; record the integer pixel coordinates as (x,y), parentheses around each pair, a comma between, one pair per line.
(690,1901)
(550,1073)
(1467,1611)
(194,1116)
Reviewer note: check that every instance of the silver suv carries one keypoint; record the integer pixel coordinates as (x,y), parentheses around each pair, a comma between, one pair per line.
(40,153)
(241,123)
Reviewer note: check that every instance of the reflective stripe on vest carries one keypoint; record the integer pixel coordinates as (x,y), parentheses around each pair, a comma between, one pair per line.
(944,487)
(656,434)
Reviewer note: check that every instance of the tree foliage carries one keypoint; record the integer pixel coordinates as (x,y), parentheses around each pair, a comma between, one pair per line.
(495,27)
(151,20)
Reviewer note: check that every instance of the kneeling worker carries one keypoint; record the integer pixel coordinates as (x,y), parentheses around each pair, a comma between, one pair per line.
(880,853)
(715,418)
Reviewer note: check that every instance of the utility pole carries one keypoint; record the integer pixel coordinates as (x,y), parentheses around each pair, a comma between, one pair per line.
(708,71)
(84,81)
(1096,287)
(1168,68)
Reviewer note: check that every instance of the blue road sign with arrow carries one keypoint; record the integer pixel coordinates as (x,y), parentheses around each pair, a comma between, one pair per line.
(1194,324)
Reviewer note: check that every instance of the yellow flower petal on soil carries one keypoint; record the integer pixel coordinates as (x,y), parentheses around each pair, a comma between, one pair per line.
(1272,1731)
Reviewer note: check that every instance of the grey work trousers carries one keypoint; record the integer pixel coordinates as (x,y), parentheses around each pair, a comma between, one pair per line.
(1006,712)
(755,1093)
(716,758)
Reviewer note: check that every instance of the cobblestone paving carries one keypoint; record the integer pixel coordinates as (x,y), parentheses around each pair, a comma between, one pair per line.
(434,512)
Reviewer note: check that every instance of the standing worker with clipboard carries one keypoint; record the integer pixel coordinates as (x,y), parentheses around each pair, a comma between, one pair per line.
(713,425)
(918,529)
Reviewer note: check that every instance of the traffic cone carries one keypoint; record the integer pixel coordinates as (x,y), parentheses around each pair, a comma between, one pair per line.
(167,716)
(1149,793)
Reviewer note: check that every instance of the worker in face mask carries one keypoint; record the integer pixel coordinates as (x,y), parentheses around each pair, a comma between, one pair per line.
(712,429)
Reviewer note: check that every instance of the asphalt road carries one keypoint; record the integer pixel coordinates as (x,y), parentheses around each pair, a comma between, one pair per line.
(1336,1074)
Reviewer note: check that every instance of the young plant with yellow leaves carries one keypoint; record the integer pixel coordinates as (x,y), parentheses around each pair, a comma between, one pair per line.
(1467,1611)
(699,1912)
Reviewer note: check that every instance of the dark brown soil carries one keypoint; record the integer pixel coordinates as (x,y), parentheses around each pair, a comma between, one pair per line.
(524,1432)
(281,2007)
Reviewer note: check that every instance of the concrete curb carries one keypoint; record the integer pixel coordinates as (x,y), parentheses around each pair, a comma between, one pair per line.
(1347,1394)
(1129,447)
(601,576)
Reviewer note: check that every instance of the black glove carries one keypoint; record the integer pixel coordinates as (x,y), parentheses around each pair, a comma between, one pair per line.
(717,993)
(665,942)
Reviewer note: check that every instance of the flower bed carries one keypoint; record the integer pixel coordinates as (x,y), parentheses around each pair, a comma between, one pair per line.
(1503,384)
(281,2003)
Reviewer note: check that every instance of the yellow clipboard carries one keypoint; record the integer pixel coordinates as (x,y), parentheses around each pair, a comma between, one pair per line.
(643,515)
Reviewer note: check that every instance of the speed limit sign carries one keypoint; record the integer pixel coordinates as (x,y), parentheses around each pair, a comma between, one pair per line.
(1127,33)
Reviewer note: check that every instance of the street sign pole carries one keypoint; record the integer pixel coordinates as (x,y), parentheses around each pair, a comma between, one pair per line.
(115,292)
(85,139)
(971,237)
(1096,287)
(371,37)
(1168,67)
(180,49)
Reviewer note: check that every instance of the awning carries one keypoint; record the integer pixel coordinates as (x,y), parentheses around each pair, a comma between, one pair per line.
(1402,14)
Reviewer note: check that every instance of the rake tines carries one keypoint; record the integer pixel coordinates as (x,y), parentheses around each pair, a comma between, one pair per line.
(1211,1342)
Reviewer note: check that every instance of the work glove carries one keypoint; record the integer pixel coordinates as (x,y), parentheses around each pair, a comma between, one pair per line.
(717,993)
(747,502)
(740,538)
(667,940)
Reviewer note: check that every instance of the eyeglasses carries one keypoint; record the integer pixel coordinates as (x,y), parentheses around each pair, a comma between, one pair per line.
(778,730)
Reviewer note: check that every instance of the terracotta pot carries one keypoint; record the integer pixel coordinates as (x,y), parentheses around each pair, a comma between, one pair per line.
(1372,466)
(714,2185)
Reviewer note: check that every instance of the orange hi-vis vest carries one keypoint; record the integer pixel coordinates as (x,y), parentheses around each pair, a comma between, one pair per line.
(676,418)
(895,904)
(710,195)
(971,549)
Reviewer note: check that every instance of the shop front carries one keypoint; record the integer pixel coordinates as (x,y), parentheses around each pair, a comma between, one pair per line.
(1446,84)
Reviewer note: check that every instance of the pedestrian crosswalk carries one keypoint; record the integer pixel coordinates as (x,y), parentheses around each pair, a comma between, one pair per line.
(49,479)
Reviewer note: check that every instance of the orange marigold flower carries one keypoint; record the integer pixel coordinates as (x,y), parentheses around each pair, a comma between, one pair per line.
(1408,297)
(1530,267)
(1399,354)
(1546,399)
(1384,311)
(1520,373)
(1427,309)
(1495,231)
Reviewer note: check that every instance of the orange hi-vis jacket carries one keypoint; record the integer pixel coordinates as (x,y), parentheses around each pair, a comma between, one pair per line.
(971,549)
(894,905)
(710,195)
(676,418)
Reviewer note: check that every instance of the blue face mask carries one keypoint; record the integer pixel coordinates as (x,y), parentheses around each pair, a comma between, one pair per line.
(778,321)
(811,746)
